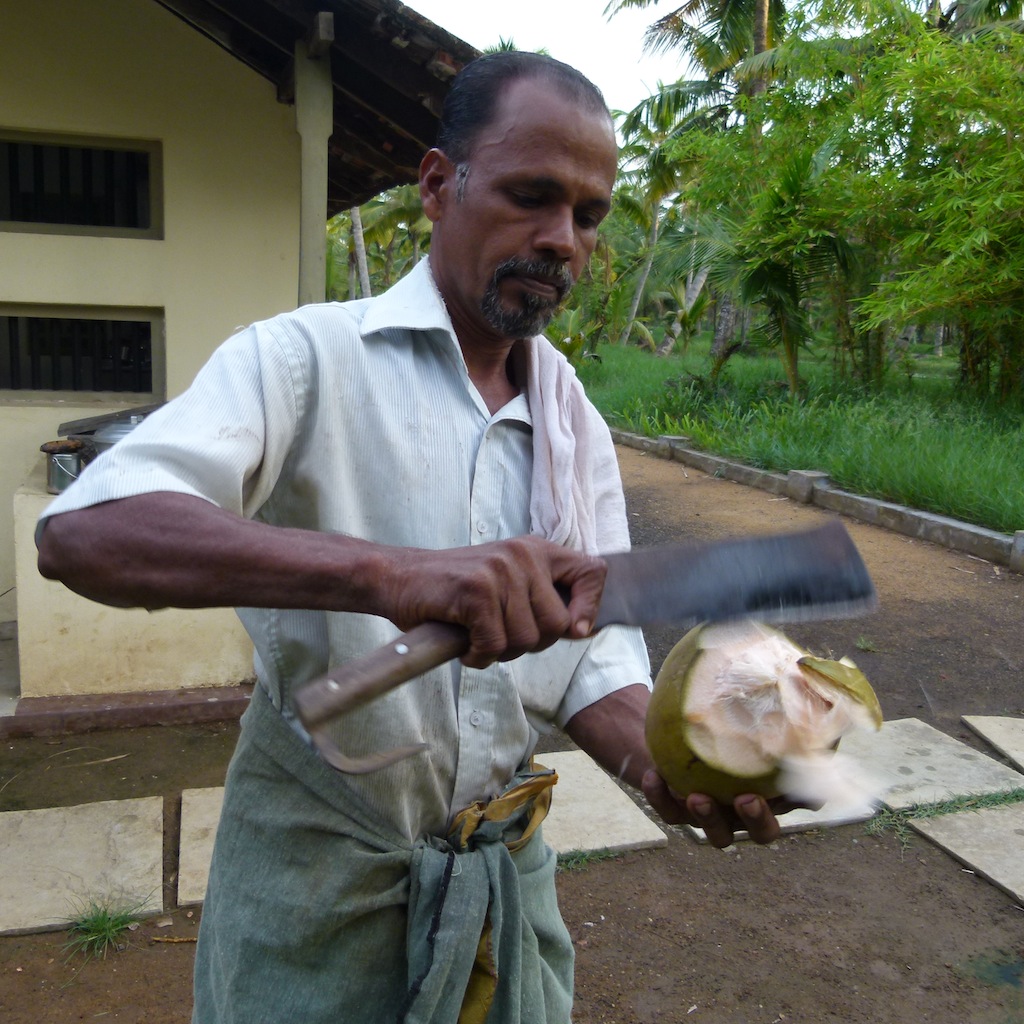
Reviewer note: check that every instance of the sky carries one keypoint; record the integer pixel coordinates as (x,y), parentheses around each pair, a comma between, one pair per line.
(609,52)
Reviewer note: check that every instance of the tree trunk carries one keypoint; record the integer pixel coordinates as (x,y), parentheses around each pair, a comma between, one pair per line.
(694,285)
(789,351)
(758,85)
(360,244)
(724,343)
(634,306)
(671,338)
(873,344)
(389,261)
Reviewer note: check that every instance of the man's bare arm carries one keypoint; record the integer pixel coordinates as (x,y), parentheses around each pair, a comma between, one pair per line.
(173,550)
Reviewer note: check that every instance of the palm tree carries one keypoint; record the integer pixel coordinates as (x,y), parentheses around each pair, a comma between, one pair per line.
(718,36)
(648,179)
(396,228)
(715,34)
(772,253)
(359,242)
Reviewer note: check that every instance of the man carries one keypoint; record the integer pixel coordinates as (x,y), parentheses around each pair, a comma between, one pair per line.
(344,470)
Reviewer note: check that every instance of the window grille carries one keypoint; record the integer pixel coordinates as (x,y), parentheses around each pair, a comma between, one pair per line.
(76,187)
(69,353)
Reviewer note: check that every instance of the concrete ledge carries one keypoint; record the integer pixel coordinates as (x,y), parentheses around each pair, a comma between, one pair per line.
(590,812)
(812,487)
(57,716)
(802,484)
(714,465)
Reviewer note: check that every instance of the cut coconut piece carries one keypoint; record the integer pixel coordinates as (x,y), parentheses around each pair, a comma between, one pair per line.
(735,702)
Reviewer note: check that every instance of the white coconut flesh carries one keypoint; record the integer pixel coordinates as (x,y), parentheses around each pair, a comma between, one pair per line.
(754,700)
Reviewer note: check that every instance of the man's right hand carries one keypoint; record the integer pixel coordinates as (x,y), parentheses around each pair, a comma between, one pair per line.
(514,596)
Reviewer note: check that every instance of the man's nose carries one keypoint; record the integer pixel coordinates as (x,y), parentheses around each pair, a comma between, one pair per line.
(557,234)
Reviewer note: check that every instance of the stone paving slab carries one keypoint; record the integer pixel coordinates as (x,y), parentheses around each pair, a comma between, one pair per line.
(917,764)
(990,842)
(59,860)
(1005,734)
(200,812)
(589,811)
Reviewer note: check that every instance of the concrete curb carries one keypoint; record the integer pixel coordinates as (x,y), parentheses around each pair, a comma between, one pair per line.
(76,713)
(815,488)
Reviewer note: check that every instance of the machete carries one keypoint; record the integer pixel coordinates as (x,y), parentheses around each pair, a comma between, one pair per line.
(809,574)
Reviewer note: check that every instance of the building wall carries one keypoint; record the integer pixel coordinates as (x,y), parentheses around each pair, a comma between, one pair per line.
(229,256)
(69,646)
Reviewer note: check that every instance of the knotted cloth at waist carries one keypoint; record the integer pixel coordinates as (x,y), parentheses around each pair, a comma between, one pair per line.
(361,926)
(468,886)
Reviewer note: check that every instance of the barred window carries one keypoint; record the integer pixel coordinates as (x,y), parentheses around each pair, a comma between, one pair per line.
(78,187)
(43,351)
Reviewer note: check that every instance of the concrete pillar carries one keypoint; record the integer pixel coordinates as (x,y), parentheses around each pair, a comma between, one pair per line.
(314,120)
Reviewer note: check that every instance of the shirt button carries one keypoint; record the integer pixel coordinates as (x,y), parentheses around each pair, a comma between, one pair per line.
(475,718)
(481,527)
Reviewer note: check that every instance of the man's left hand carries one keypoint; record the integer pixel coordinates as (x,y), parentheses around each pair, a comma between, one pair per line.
(749,813)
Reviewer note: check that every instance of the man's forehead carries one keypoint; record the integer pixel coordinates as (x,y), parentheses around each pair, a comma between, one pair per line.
(541,130)
(540,100)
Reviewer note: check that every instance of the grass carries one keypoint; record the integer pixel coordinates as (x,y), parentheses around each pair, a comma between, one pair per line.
(915,442)
(897,823)
(99,926)
(577,860)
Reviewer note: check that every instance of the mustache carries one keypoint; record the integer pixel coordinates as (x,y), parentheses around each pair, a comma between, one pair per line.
(547,270)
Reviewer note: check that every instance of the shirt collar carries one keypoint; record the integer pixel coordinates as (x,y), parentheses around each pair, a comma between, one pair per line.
(414,303)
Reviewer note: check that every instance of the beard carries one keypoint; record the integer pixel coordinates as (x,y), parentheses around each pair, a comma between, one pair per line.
(535,311)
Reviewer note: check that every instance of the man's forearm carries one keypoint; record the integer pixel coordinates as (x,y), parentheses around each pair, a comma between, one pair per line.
(166,549)
(177,550)
(611,731)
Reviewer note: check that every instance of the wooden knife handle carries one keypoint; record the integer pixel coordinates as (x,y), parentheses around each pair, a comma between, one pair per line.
(357,682)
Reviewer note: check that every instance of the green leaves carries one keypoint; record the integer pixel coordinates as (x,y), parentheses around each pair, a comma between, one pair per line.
(876,184)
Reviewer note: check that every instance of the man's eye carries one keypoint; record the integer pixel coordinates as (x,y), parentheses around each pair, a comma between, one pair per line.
(527,199)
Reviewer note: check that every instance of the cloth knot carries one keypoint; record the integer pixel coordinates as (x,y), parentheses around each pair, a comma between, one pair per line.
(520,809)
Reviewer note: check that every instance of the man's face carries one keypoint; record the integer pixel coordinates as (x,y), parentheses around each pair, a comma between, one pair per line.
(537,184)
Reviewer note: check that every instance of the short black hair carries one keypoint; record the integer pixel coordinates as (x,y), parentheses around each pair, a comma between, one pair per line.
(473,96)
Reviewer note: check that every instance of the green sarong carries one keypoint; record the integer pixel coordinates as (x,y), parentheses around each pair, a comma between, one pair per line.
(317,914)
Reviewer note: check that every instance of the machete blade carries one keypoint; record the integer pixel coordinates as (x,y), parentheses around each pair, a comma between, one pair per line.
(810,574)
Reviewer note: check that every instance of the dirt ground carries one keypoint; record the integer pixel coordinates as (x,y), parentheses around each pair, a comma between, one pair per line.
(828,926)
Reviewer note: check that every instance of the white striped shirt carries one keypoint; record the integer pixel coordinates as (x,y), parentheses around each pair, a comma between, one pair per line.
(360,418)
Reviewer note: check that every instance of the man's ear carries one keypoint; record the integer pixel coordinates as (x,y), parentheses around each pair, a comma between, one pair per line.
(437,183)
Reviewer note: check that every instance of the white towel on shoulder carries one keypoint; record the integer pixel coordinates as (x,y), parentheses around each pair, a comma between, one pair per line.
(577,497)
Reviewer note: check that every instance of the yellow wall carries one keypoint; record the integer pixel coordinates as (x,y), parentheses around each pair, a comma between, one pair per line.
(68,645)
(128,68)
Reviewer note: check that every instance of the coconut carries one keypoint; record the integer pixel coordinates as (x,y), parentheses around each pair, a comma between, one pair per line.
(739,708)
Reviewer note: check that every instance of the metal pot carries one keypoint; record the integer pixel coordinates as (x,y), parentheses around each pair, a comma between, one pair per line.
(63,464)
